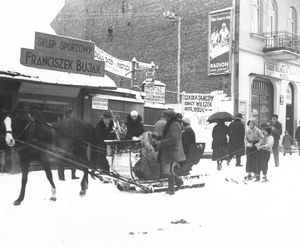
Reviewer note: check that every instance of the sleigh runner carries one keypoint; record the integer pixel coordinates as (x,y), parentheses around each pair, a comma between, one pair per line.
(126,158)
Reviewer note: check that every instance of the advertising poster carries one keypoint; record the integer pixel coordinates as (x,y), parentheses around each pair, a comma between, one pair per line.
(219,42)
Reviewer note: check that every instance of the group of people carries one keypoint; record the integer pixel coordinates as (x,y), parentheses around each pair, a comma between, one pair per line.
(256,143)
(172,138)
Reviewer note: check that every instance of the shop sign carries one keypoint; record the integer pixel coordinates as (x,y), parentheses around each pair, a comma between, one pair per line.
(99,102)
(155,93)
(50,61)
(284,71)
(219,42)
(64,45)
(197,102)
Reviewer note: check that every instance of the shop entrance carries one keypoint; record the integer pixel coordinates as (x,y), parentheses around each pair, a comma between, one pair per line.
(262,100)
(289,119)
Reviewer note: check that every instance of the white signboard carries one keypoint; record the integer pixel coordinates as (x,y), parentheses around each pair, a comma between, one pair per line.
(99,102)
(155,93)
(197,102)
(284,71)
(114,65)
(64,45)
(50,61)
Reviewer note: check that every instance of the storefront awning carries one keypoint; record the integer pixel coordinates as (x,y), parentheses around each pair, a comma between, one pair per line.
(49,90)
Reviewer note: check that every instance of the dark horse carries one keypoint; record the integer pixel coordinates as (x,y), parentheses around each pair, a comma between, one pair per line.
(67,141)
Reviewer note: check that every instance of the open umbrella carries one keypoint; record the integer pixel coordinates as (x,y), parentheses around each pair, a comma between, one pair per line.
(227,117)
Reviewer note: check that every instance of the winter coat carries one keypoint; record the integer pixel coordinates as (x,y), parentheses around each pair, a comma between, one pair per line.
(276,132)
(170,146)
(188,138)
(219,135)
(297,134)
(236,144)
(134,128)
(104,133)
(287,142)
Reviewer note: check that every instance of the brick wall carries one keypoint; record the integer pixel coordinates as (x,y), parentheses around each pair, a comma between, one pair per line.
(143,32)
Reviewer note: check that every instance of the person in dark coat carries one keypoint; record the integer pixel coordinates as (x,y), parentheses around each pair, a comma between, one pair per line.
(220,143)
(68,114)
(170,150)
(2,144)
(188,136)
(297,137)
(276,132)
(287,142)
(135,127)
(179,119)
(236,144)
(104,131)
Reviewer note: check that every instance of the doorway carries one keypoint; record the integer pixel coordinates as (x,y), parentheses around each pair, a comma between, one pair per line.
(289,118)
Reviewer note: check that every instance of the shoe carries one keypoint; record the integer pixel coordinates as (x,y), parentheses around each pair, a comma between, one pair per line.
(75,177)
(62,179)
(238,165)
(264,179)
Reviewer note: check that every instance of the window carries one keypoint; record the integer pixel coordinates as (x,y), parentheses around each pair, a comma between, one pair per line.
(256,12)
(271,16)
(292,21)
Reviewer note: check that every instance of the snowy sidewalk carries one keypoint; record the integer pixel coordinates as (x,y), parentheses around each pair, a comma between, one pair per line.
(222,215)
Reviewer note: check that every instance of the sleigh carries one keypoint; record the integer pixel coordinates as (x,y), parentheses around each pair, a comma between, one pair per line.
(124,157)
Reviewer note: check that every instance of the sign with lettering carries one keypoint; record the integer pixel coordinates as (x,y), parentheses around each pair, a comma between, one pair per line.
(219,42)
(64,45)
(155,93)
(283,71)
(113,64)
(197,102)
(99,102)
(45,60)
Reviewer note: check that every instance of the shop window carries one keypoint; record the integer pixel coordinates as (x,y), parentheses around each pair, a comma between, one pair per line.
(262,101)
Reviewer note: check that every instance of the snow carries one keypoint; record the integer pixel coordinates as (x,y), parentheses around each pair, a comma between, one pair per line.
(221,215)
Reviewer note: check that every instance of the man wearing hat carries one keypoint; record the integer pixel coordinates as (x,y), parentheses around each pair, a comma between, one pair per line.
(188,135)
(236,144)
(170,149)
(104,131)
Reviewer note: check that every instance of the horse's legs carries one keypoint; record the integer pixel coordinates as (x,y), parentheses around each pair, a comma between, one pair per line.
(84,183)
(25,170)
(48,172)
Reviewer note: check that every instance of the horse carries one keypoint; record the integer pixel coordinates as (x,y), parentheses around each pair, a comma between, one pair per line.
(67,141)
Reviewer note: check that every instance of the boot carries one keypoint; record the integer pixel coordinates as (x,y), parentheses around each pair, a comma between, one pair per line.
(257,177)
(178,181)
(74,177)
(171,190)
(264,179)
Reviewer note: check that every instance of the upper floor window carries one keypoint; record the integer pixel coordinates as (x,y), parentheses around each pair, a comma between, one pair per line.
(271,16)
(256,13)
(292,21)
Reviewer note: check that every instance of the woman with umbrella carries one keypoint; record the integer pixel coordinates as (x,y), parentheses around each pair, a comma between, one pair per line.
(219,135)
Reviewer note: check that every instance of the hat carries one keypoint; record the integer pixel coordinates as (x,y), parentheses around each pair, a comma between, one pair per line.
(239,116)
(170,113)
(179,115)
(134,113)
(251,120)
(107,114)
(186,120)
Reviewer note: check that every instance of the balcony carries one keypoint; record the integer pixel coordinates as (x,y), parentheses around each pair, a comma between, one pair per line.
(282,46)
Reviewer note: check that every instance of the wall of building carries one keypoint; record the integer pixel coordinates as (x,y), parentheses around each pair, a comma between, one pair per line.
(130,28)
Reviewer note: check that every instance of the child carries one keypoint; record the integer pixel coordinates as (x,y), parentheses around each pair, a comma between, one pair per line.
(265,148)
(287,142)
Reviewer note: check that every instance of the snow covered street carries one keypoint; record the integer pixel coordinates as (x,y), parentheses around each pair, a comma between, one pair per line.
(223,214)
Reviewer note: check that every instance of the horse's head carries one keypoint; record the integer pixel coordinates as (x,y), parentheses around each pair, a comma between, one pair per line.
(16,124)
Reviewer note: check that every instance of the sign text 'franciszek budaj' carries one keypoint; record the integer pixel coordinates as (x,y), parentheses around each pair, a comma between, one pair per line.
(45,60)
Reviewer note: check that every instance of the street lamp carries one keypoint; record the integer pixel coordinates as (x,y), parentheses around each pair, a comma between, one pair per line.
(172,16)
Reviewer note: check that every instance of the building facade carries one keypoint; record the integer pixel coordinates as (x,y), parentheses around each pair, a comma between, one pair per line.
(130,28)
(269,60)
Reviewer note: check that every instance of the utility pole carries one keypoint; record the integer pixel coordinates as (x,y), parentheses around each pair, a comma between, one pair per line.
(172,16)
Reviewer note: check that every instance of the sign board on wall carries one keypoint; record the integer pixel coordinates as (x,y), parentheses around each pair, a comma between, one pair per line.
(155,92)
(219,42)
(283,71)
(64,45)
(99,102)
(46,60)
(197,102)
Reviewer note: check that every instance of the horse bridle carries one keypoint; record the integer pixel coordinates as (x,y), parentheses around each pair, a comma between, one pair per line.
(29,126)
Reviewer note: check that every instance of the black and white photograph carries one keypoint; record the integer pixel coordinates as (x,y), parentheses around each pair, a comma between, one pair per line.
(149,124)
